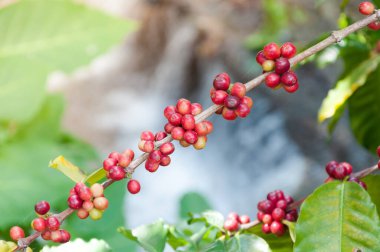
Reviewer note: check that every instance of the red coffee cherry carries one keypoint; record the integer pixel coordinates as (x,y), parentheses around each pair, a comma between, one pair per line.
(239,90)
(231,102)
(201,129)
(177,133)
(160,135)
(147,136)
(16,233)
(267,219)
(272,80)
(65,236)
(82,213)
(266,206)
(56,236)
(282,204)
(175,119)
(378,151)
(183,106)
(190,137)
(88,206)
(347,167)
(167,148)
(282,65)
(169,127)
(169,110)
(248,101)
(108,163)
(74,201)
(133,186)
(85,193)
(114,155)
(266,228)
(101,203)
(242,110)
(151,166)
(39,224)
(231,225)
(233,215)
(229,114)
(289,79)
(288,50)
(244,219)
(116,173)
(339,172)
(188,122)
(278,214)
(374,26)
(196,109)
(330,167)
(260,216)
(366,8)
(277,228)
(165,161)
(52,223)
(218,97)
(46,235)
(222,81)
(155,156)
(260,58)
(272,51)
(42,207)
(291,89)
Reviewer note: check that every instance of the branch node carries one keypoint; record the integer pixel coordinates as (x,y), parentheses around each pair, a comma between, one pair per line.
(336,35)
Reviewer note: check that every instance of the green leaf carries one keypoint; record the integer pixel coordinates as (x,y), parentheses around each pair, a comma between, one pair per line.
(151,237)
(364,111)
(24,165)
(338,216)
(193,202)
(292,229)
(217,246)
(176,238)
(96,176)
(338,96)
(277,244)
(210,218)
(373,184)
(247,242)
(38,37)
(66,167)
(93,245)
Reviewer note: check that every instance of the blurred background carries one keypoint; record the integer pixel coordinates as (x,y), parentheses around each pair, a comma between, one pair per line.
(127,62)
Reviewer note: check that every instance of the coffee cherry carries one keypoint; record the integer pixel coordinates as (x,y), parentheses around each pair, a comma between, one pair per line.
(52,223)
(248,101)
(177,133)
(366,8)
(96,214)
(160,135)
(281,204)
(277,228)
(56,236)
(169,127)
(101,203)
(114,155)
(85,193)
(146,146)
(201,143)
(242,110)
(362,184)
(282,65)
(289,79)
(272,51)
(267,219)
(210,126)
(196,109)
(183,106)
(288,50)
(155,156)
(219,96)
(97,190)
(260,216)
(374,26)
(151,166)
(347,167)
(222,81)
(260,58)
(268,65)
(42,207)
(272,80)
(330,167)
(265,228)
(244,219)
(133,186)
(233,215)
(354,179)
(266,206)
(165,161)
(108,163)
(39,224)
(288,199)
(229,114)
(88,205)
(339,172)
(201,129)
(231,225)
(184,144)
(82,213)
(16,233)
(72,192)
(167,148)
(231,102)
(278,214)
(74,201)
(188,122)
(65,236)
(147,136)
(290,217)
(169,110)
(190,137)
(124,161)
(378,151)
(239,90)
(378,165)
(272,196)
(46,235)
(175,119)
(116,173)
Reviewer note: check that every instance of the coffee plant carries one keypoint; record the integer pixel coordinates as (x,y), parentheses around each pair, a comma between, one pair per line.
(340,215)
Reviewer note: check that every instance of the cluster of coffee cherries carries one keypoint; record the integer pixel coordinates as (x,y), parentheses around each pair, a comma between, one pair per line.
(276,58)
(10,246)
(273,211)
(182,126)
(340,171)
(156,157)
(233,221)
(116,163)
(88,201)
(367,8)
(231,96)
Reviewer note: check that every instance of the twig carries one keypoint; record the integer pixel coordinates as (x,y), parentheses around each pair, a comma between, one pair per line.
(335,37)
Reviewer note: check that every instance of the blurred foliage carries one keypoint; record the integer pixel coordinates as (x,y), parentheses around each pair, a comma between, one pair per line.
(193,202)
(93,245)
(39,37)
